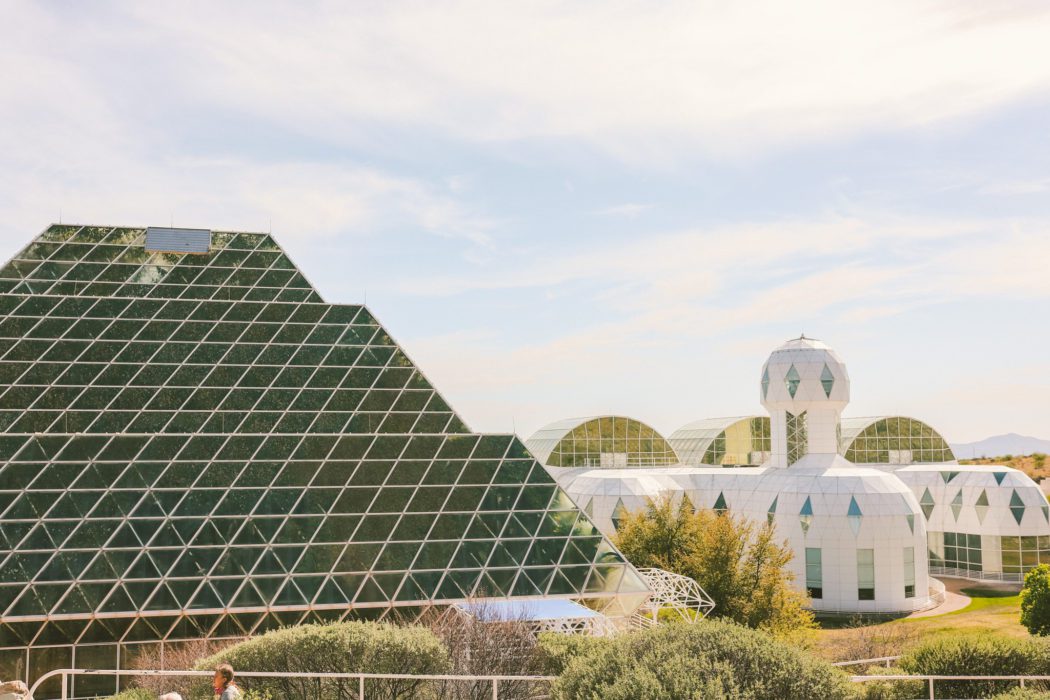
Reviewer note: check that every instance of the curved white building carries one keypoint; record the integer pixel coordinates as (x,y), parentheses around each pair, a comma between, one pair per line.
(867,534)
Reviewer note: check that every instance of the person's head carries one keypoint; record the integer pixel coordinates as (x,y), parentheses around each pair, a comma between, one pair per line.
(171,696)
(223,675)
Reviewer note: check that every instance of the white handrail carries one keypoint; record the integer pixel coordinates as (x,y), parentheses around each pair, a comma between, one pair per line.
(495,680)
(931,678)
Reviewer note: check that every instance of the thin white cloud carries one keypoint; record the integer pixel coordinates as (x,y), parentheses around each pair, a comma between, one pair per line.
(629,210)
(700,288)
(1017,187)
(641,82)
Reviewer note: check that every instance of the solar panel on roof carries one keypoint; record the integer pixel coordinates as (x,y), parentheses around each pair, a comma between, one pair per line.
(177,240)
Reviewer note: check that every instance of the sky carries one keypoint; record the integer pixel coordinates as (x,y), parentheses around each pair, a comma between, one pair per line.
(571,208)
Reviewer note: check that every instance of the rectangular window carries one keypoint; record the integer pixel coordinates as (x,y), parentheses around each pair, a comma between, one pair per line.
(814,573)
(865,574)
(909,572)
(962,551)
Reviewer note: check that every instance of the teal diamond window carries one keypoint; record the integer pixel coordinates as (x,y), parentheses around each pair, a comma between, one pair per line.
(805,516)
(772,512)
(618,514)
(827,380)
(791,380)
(720,503)
(765,382)
(854,515)
(1016,506)
(926,504)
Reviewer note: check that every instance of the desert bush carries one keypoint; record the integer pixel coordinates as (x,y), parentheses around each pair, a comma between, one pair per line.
(485,643)
(345,647)
(863,638)
(712,659)
(978,656)
(176,656)
(890,689)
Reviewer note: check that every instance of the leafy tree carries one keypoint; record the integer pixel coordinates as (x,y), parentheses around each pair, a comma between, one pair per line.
(1035,600)
(713,660)
(742,567)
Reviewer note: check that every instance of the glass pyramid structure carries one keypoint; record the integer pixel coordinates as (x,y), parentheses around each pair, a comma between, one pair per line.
(196,445)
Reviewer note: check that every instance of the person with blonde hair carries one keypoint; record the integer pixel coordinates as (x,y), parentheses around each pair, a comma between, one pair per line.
(224,685)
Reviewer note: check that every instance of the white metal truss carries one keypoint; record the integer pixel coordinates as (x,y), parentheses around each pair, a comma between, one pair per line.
(680,595)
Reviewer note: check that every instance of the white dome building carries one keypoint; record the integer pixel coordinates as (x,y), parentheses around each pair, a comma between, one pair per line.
(866,536)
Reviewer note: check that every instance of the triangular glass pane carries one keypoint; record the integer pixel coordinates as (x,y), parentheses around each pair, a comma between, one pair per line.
(981,506)
(956,505)
(854,508)
(805,516)
(720,503)
(807,507)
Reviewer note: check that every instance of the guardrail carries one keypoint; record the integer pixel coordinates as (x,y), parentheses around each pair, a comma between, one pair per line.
(938,592)
(970,575)
(67,673)
(931,679)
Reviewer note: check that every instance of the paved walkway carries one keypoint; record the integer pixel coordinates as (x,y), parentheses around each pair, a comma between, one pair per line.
(955,599)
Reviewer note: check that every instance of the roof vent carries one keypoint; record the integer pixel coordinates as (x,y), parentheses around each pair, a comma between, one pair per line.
(178,240)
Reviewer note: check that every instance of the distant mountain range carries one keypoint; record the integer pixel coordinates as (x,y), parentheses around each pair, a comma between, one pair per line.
(1000,445)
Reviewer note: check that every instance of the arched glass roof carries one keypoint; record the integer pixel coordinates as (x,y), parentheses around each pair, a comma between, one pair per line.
(614,442)
(892,440)
(741,440)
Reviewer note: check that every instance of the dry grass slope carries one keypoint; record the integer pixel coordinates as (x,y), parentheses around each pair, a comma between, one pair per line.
(992,612)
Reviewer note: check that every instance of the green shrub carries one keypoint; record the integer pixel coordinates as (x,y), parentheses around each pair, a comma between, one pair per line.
(711,659)
(1035,600)
(1023,694)
(134,694)
(977,656)
(555,651)
(346,647)
(890,690)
